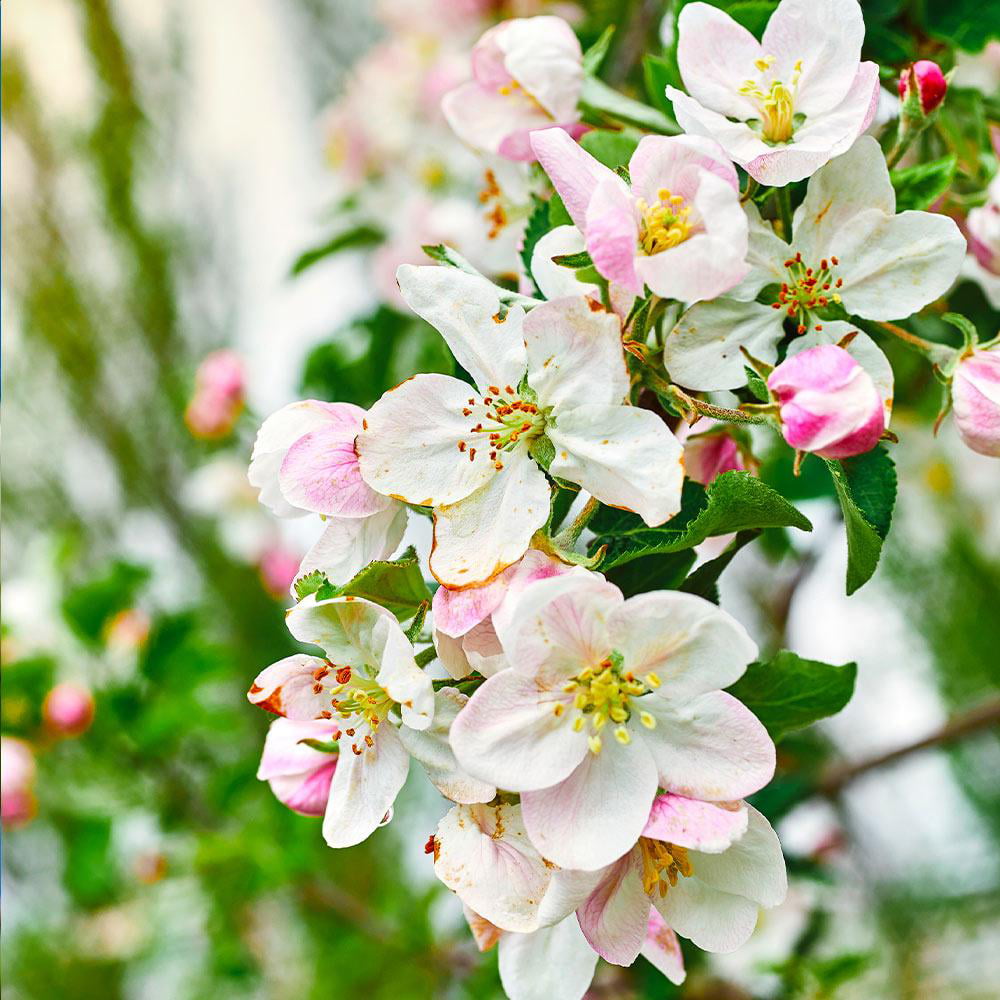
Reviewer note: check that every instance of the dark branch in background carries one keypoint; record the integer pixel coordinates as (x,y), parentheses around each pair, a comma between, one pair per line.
(633,41)
(981,717)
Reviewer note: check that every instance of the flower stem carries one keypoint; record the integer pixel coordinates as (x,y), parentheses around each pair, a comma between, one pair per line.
(784,197)
(569,536)
(682,401)
(938,354)
(425,656)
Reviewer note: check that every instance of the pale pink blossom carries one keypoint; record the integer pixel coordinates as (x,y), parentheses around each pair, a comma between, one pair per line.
(68,709)
(975,396)
(829,404)
(607,700)
(278,568)
(469,452)
(17,782)
(783,106)
(367,680)
(708,455)
(677,227)
(218,395)
(527,74)
(299,773)
(983,228)
(930,82)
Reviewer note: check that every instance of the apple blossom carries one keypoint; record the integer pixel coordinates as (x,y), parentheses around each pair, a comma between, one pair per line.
(975,395)
(527,74)
(17,782)
(68,709)
(930,83)
(367,676)
(278,567)
(218,395)
(677,227)
(829,404)
(709,454)
(783,106)
(848,248)
(704,867)
(557,375)
(300,774)
(983,228)
(605,701)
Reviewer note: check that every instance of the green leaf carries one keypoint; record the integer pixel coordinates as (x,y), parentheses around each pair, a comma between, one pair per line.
(537,226)
(363,235)
(736,501)
(969,24)
(658,73)
(866,489)
(594,56)
(397,585)
(573,260)
(323,746)
(558,216)
(613,149)
(413,629)
(920,186)
(89,607)
(704,581)
(601,102)
(789,692)
(310,583)
(757,385)
(452,258)
(752,14)
(542,450)
(662,571)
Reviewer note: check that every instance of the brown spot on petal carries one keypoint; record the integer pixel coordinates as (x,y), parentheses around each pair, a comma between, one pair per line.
(272,703)
(595,306)
(819,215)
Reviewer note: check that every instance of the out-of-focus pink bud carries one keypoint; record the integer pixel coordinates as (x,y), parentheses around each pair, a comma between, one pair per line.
(931,84)
(17,782)
(709,455)
(277,568)
(299,775)
(68,710)
(829,403)
(128,629)
(975,395)
(218,395)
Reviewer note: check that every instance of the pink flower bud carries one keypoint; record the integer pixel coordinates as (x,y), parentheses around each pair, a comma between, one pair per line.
(709,455)
(299,775)
(68,710)
(975,395)
(277,568)
(931,84)
(218,395)
(17,780)
(829,403)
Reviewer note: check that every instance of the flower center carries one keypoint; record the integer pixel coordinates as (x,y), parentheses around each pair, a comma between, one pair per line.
(505,421)
(356,698)
(514,89)
(807,288)
(662,864)
(775,100)
(663,224)
(602,694)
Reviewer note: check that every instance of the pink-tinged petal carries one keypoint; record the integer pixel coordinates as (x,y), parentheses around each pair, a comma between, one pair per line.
(553,963)
(612,234)
(712,747)
(826,35)
(487,59)
(320,474)
(465,310)
(533,568)
(710,827)
(567,892)
(543,54)
(457,611)
(615,915)
(753,867)
(349,544)
(662,949)
(452,656)
(509,735)
(483,119)
(288,688)
(713,920)
(481,535)
(483,854)
(596,814)
(364,787)
(975,394)
(623,455)
(708,456)
(308,793)
(676,162)
(559,627)
(410,449)
(692,645)
(432,750)
(483,650)
(574,172)
(285,753)
(575,354)
(277,434)
(716,56)
(485,934)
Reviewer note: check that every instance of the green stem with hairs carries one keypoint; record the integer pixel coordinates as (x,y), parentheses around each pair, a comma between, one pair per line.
(784,199)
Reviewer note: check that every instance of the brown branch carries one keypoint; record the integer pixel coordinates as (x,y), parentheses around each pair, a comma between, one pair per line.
(974,720)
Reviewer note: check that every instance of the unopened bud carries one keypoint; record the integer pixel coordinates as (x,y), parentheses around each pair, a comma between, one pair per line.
(930,83)
(68,710)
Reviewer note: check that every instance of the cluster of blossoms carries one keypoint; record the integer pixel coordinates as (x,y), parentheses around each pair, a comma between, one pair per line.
(597,767)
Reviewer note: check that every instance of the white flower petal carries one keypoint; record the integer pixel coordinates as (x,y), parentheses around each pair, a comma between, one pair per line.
(662,949)
(543,54)
(343,627)
(615,915)
(575,354)
(692,645)
(286,688)
(597,813)
(399,676)
(554,963)
(623,455)
(410,449)
(553,280)
(713,920)
(484,533)
(364,788)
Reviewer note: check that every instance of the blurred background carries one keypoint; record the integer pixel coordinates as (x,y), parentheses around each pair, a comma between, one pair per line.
(203,206)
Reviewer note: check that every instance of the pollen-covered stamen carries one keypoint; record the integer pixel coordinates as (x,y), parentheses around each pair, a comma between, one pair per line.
(504,421)
(774,99)
(807,289)
(662,865)
(500,210)
(603,694)
(355,698)
(665,223)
